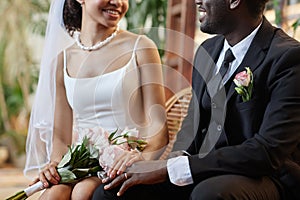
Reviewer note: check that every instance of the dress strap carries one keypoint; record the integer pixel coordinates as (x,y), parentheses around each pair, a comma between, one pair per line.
(135,47)
(65,60)
(136,44)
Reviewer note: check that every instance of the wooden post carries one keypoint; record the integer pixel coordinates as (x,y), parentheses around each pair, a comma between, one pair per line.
(179,49)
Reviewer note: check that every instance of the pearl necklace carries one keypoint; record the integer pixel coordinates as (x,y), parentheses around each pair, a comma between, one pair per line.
(98,44)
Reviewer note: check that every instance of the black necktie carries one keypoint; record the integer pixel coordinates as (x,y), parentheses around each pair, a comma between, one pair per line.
(228,58)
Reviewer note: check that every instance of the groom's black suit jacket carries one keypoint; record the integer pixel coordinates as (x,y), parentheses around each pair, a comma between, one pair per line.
(260,137)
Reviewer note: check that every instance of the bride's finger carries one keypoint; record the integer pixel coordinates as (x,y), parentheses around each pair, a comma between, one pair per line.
(121,163)
(133,160)
(112,171)
(54,173)
(123,167)
(115,163)
(43,179)
(50,178)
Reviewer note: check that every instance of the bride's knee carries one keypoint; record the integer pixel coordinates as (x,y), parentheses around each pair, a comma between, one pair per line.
(56,192)
(84,189)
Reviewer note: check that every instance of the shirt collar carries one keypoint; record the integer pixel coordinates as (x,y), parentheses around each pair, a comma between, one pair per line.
(240,49)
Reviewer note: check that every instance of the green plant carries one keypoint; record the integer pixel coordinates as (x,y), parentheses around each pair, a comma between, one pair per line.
(278,5)
(295,25)
(278,8)
(20,21)
(19,141)
(146,17)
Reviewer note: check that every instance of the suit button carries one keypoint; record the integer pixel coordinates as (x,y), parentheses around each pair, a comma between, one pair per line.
(213,105)
(219,128)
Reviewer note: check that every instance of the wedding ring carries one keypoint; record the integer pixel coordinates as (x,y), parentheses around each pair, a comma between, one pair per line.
(125,174)
(102,175)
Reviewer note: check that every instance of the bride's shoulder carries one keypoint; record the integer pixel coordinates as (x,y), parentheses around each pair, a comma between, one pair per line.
(140,39)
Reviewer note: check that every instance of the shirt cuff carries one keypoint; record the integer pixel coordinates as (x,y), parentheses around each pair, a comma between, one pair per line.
(179,171)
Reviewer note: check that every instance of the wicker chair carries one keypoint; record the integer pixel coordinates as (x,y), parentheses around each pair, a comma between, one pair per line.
(176,108)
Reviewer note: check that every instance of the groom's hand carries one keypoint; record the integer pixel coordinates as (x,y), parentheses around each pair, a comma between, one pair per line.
(143,172)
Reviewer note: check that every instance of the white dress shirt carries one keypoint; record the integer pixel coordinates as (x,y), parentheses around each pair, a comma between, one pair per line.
(178,168)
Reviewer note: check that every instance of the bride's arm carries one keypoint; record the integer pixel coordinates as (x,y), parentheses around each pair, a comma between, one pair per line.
(150,114)
(62,130)
(63,118)
(153,95)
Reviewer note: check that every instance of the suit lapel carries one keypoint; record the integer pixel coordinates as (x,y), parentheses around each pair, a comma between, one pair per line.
(255,54)
(205,61)
(214,52)
(215,49)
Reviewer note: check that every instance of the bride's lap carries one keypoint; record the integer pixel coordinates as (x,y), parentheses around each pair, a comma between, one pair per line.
(61,191)
(82,190)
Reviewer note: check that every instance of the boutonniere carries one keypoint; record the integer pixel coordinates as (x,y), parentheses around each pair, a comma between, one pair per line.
(244,83)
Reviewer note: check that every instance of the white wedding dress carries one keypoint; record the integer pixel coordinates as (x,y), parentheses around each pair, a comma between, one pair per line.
(100,105)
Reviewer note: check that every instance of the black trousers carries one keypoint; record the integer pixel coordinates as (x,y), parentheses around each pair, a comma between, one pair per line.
(214,188)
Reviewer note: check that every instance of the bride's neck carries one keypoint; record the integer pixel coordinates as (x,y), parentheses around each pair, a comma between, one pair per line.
(95,35)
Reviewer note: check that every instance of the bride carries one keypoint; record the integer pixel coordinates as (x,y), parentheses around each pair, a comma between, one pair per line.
(93,76)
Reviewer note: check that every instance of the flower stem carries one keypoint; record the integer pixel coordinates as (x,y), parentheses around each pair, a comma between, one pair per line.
(19,196)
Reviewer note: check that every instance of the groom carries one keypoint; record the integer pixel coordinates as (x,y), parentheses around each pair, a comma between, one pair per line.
(243,147)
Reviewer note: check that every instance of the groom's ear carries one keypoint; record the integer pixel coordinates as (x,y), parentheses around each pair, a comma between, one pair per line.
(233,4)
(80,1)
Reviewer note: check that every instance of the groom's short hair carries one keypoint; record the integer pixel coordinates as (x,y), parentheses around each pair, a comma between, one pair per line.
(256,7)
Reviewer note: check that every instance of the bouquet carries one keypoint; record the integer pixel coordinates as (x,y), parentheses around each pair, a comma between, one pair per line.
(109,146)
(79,162)
(129,137)
(94,148)
(127,140)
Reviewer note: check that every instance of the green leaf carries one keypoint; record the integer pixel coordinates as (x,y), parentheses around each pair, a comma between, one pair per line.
(240,91)
(110,138)
(141,142)
(250,88)
(296,24)
(81,173)
(66,175)
(95,169)
(66,159)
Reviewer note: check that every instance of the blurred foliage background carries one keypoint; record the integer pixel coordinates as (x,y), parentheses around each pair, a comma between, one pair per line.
(145,14)
(18,70)
(23,24)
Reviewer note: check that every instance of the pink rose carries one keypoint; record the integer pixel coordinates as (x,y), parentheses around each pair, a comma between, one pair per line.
(244,83)
(242,79)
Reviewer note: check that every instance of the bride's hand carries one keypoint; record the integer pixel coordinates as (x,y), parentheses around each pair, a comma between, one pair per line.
(123,161)
(49,175)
